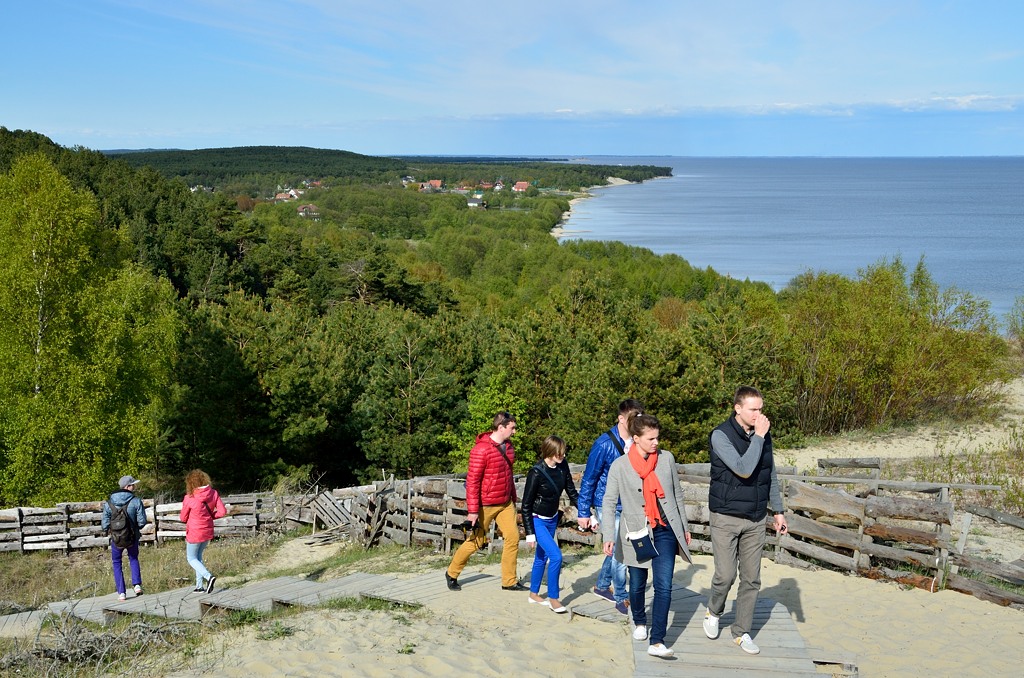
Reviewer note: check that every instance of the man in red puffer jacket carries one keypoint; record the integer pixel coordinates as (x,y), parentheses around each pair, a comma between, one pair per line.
(491,497)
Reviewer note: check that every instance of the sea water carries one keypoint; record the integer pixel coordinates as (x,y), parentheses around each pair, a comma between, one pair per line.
(771,219)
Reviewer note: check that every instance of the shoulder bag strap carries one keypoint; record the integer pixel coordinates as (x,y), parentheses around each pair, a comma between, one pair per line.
(543,468)
(618,445)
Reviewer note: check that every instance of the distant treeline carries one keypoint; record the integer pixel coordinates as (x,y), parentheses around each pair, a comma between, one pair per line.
(258,170)
(149,330)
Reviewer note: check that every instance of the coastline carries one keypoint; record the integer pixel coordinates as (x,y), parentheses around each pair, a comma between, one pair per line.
(559,231)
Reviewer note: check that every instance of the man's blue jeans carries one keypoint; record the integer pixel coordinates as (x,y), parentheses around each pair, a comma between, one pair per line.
(613,573)
(662,565)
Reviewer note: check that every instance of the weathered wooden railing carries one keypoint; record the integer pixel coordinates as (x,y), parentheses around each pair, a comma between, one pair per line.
(895,530)
(76,525)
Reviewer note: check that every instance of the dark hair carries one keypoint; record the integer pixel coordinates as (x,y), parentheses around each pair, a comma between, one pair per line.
(553,446)
(630,405)
(640,422)
(502,419)
(744,392)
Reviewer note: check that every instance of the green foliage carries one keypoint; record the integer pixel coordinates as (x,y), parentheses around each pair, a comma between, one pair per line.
(261,166)
(882,349)
(1015,326)
(149,329)
(87,349)
(493,396)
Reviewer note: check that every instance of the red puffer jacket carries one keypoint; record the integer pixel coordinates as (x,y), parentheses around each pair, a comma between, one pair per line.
(489,479)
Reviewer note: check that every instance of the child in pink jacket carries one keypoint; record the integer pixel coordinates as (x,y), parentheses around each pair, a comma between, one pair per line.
(199,508)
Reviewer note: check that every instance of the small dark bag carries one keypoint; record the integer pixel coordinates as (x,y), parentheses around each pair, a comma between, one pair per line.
(643,544)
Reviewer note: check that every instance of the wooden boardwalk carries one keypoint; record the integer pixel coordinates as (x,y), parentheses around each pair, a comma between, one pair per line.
(783,652)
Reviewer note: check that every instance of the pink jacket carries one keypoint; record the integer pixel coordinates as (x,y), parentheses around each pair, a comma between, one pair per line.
(198,511)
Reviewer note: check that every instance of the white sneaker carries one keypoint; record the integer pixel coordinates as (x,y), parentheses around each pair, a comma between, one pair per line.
(659,650)
(710,626)
(746,644)
(640,633)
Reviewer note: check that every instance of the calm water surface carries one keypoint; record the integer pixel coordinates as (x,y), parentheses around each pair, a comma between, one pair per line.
(771,219)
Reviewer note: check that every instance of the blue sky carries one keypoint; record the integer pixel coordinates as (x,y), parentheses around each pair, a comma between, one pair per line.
(659,77)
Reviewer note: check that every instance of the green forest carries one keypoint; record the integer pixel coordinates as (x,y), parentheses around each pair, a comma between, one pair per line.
(150,328)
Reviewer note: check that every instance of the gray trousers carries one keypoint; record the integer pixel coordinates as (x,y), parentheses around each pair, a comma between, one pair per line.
(736,543)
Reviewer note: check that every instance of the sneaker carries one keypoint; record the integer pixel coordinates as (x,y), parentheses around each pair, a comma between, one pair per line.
(209,584)
(622,606)
(640,633)
(199,589)
(710,626)
(659,650)
(746,644)
(121,597)
(453,582)
(518,586)
(138,589)
(604,593)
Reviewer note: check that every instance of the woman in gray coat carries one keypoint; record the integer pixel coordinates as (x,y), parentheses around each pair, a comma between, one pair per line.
(646,481)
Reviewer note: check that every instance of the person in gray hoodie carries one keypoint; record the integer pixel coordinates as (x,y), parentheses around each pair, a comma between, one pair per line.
(136,513)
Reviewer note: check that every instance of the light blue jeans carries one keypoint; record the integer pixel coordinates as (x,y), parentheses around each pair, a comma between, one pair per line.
(194,555)
(613,573)
(548,556)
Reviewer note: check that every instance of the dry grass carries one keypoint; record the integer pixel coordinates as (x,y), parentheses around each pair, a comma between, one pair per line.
(1001,464)
(68,646)
(31,580)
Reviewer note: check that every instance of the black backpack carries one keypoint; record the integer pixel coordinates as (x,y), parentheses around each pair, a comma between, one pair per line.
(122,528)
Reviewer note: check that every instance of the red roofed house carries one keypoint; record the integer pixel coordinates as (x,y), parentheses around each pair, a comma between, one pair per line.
(520,186)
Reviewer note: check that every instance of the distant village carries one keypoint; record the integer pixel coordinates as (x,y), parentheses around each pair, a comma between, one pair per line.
(474,193)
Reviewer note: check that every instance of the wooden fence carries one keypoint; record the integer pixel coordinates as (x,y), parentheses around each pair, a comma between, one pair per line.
(898,531)
(76,525)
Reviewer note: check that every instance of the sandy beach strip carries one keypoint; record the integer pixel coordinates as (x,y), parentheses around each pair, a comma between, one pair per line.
(559,231)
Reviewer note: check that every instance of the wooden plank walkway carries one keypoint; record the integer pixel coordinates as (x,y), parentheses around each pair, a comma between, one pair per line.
(783,651)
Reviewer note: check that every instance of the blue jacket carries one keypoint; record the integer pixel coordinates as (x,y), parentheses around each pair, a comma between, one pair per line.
(136,511)
(595,477)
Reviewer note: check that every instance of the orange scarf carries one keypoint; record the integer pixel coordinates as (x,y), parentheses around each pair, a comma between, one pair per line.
(652,489)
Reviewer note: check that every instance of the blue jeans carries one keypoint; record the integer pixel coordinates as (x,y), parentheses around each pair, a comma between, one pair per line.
(194,555)
(613,573)
(548,554)
(662,565)
(116,558)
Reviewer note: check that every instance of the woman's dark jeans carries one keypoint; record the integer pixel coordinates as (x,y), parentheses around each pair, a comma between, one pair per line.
(662,565)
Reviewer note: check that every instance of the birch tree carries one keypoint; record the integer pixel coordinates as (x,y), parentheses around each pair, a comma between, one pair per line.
(86,344)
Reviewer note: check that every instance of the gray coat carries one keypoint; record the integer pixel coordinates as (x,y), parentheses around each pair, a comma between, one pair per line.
(624,485)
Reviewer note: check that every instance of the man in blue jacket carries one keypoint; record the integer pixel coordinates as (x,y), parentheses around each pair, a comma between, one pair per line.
(608,447)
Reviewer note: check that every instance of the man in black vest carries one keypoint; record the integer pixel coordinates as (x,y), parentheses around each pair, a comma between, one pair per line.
(743,485)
